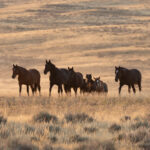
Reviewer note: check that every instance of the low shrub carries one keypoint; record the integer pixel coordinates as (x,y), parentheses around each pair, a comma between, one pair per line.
(18,144)
(140,124)
(107,145)
(54,129)
(44,117)
(3,120)
(146,144)
(114,128)
(78,118)
(137,136)
(78,139)
(90,129)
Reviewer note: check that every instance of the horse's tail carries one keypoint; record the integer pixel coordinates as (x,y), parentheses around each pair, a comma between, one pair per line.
(105,88)
(139,81)
(67,88)
(140,76)
(35,87)
(37,82)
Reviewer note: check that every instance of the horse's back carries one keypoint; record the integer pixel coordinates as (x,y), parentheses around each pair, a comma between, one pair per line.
(136,75)
(64,75)
(35,75)
(80,78)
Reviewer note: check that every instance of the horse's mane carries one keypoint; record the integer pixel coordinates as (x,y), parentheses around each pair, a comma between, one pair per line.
(122,68)
(53,65)
(53,68)
(21,68)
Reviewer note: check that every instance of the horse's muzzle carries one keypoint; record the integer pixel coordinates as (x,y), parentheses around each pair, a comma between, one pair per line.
(45,72)
(13,76)
(116,79)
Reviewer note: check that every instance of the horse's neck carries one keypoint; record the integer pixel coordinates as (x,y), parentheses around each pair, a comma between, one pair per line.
(22,72)
(91,81)
(54,71)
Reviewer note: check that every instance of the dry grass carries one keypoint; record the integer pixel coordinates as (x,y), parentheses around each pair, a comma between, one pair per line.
(93,36)
(95,125)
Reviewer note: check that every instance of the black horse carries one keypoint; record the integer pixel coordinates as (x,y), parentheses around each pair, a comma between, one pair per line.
(57,77)
(128,77)
(76,80)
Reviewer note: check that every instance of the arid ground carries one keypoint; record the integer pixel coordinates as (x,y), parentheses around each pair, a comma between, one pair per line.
(94,36)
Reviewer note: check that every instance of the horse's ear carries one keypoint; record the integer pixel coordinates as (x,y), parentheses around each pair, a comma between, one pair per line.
(68,68)
(16,65)
(46,61)
(49,61)
(13,65)
(99,78)
(72,68)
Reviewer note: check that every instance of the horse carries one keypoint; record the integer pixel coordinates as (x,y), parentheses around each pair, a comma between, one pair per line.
(27,77)
(76,80)
(101,87)
(84,87)
(91,87)
(128,77)
(58,76)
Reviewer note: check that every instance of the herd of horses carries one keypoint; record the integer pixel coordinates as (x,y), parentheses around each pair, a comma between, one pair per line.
(70,79)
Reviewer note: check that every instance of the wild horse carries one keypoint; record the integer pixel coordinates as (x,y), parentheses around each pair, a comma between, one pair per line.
(75,80)
(27,77)
(128,77)
(57,76)
(101,87)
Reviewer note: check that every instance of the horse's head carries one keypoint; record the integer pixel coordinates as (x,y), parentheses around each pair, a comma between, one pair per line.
(117,73)
(88,77)
(97,81)
(15,70)
(47,66)
(72,72)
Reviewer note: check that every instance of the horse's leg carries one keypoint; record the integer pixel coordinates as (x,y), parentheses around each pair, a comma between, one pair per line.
(81,91)
(120,88)
(139,84)
(50,89)
(35,88)
(32,88)
(28,90)
(61,90)
(39,88)
(67,89)
(129,88)
(133,88)
(75,90)
(20,88)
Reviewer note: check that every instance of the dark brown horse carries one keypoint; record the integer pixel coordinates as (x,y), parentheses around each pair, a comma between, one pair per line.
(76,80)
(27,77)
(128,77)
(91,87)
(101,87)
(84,88)
(58,76)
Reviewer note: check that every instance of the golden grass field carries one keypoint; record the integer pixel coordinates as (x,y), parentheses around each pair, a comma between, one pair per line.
(94,37)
